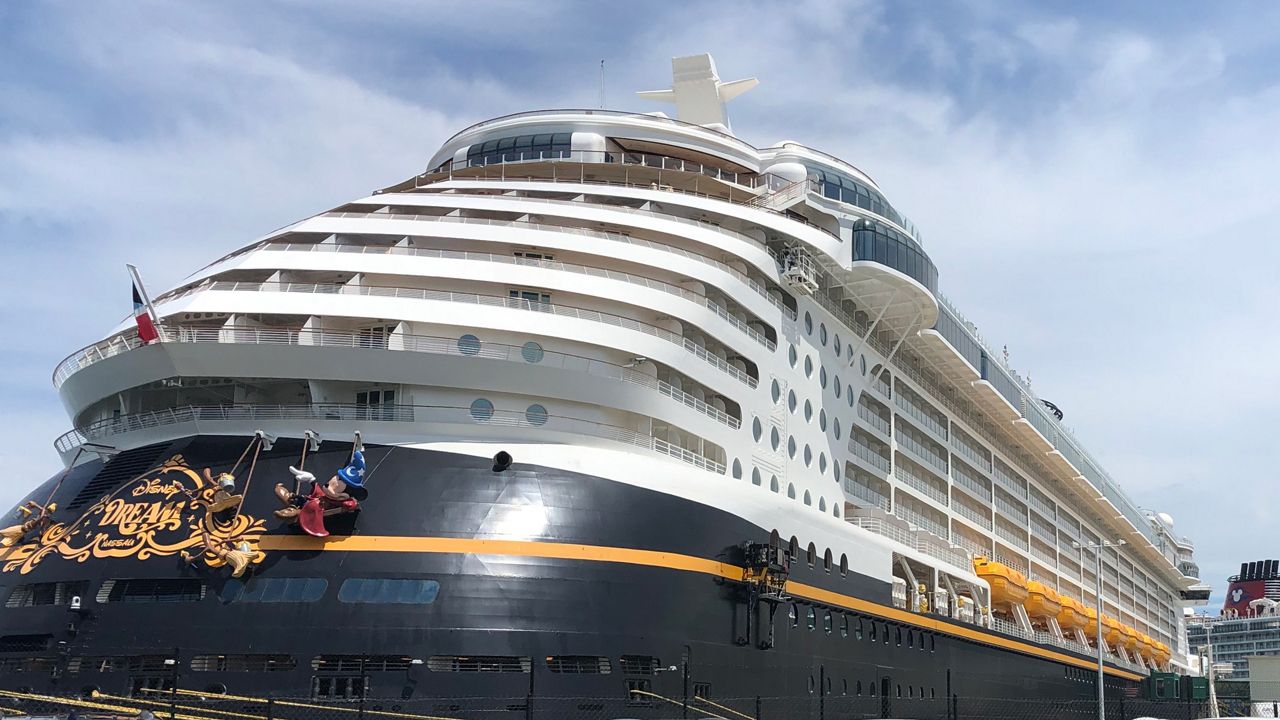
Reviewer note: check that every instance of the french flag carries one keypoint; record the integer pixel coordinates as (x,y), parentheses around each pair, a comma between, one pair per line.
(146,328)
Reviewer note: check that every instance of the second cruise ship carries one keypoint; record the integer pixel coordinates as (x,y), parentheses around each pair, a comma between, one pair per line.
(602,405)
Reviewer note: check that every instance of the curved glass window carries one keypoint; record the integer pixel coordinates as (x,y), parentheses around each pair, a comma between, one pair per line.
(791,446)
(808,455)
(401,591)
(776,389)
(535,415)
(884,245)
(842,188)
(808,323)
(737,469)
(791,400)
(808,499)
(468,344)
(773,483)
(520,147)
(481,409)
(808,411)
(791,491)
(822,333)
(822,420)
(822,462)
(791,355)
(273,590)
(757,430)
(531,352)
(835,344)
(808,366)
(775,438)
(755,476)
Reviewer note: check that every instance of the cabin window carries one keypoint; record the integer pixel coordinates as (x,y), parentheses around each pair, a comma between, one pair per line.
(639,665)
(479,664)
(360,663)
(637,689)
(400,591)
(242,663)
(273,590)
(147,590)
(337,687)
(48,593)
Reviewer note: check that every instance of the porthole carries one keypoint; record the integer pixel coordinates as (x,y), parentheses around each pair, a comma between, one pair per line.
(898,635)
(792,356)
(873,631)
(822,462)
(844,630)
(835,344)
(773,483)
(857,631)
(808,411)
(535,415)
(811,685)
(859,688)
(481,410)
(827,623)
(791,400)
(755,476)
(838,389)
(737,469)
(808,323)
(775,438)
(911,638)
(871,684)
(757,429)
(793,614)
(791,447)
(822,334)
(822,420)
(835,509)
(811,618)
(532,352)
(850,399)
(808,499)
(826,560)
(776,389)
(822,377)
(862,364)
(791,490)
(844,686)
(835,428)
(468,344)
(822,504)
(808,366)
(808,456)
(844,565)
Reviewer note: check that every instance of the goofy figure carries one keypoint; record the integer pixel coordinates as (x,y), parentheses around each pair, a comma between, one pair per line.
(341,494)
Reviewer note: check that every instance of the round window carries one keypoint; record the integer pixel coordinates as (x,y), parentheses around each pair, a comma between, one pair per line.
(835,343)
(822,377)
(837,388)
(811,618)
(808,411)
(808,499)
(826,622)
(776,390)
(862,363)
(835,428)
(532,352)
(757,430)
(755,476)
(468,344)
(792,356)
(791,400)
(737,469)
(773,483)
(822,462)
(822,420)
(808,366)
(791,446)
(775,438)
(822,333)
(808,456)
(808,324)
(535,415)
(481,410)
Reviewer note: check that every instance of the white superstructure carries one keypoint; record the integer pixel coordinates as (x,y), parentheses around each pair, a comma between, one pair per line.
(659,302)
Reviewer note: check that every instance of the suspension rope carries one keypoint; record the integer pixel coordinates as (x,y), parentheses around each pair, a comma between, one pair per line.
(302,464)
(58,484)
(293,703)
(674,702)
(252,465)
(165,703)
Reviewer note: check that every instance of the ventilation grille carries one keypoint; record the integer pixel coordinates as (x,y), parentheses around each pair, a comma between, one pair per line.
(578,664)
(125,466)
(25,643)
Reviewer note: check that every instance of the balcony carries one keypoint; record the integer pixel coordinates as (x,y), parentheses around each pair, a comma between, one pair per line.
(967,479)
(875,421)
(417,420)
(1009,481)
(1013,511)
(1043,506)
(980,458)
(907,475)
(922,451)
(924,419)
(868,455)
(568,311)
(972,514)
(866,494)
(1016,537)
(921,520)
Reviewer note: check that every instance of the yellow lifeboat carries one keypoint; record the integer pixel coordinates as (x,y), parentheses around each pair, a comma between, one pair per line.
(1130,638)
(1042,601)
(1072,614)
(1148,647)
(1111,630)
(1008,586)
(1162,654)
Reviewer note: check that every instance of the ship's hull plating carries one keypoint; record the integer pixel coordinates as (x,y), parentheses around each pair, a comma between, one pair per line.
(589,595)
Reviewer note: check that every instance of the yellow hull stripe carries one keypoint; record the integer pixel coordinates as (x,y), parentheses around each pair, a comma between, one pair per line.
(653,558)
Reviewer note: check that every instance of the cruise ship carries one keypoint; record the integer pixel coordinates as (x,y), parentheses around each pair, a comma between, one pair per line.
(1248,625)
(611,409)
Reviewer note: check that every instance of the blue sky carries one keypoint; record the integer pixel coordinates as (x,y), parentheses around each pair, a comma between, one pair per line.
(1097,188)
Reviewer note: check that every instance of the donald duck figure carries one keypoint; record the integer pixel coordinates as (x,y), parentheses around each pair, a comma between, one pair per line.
(341,494)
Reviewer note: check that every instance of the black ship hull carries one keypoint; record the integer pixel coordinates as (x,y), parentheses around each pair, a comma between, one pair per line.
(520,590)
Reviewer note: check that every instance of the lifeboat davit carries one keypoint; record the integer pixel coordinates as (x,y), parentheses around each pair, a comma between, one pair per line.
(1042,601)
(1072,614)
(1148,647)
(1008,586)
(1162,653)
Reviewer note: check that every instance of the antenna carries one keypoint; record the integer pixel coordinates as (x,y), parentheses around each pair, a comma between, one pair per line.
(601,83)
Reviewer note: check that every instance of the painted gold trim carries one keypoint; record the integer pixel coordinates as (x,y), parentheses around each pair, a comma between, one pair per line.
(654,558)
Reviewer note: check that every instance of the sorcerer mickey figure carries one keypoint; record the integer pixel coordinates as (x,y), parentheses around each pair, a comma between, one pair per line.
(341,494)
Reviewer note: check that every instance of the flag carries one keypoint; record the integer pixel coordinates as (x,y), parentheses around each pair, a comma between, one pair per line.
(146,328)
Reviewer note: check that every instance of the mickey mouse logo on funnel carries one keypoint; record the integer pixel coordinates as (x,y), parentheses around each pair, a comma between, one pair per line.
(341,494)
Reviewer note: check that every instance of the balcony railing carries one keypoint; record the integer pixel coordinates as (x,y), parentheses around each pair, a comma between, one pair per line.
(1015,486)
(476,299)
(906,537)
(907,476)
(916,413)
(1018,538)
(980,460)
(866,494)
(1011,510)
(920,520)
(961,476)
(873,419)
(867,454)
(968,513)
(348,413)
(928,455)
(396,342)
